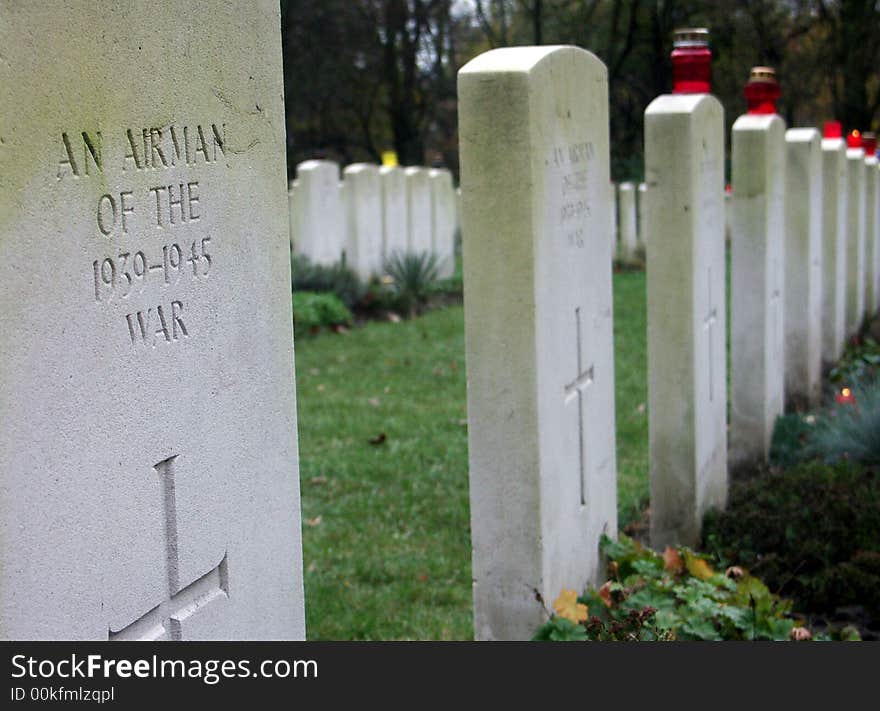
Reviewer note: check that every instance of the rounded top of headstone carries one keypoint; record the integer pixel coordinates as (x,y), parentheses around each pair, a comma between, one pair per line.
(833,129)
(854,139)
(691,37)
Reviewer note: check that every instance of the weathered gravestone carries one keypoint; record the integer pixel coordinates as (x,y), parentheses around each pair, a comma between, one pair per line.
(363,208)
(534,169)
(803,267)
(757,274)
(872,225)
(147,404)
(394,213)
(318,215)
(834,239)
(855,235)
(643,189)
(418,210)
(687,389)
(443,219)
(626,194)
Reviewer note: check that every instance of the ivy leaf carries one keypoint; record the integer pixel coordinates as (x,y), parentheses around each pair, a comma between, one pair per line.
(567,606)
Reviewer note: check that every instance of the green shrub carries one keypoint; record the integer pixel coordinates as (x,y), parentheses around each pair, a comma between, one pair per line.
(336,279)
(674,596)
(414,279)
(790,439)
(850,430)
(859,362)
(312,310)
(812,532)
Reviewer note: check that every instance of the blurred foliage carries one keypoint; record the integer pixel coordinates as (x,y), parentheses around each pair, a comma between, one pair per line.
(337,279)
(313,310)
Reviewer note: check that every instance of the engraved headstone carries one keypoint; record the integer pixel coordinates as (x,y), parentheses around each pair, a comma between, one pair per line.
(537,259)
(418,210)
(803,267)
(757,310)
(626,195)
(318,216)
(834,241)
(443,220)
(147,403)
(395,218)
(855,238)
(687,387)
(363,209)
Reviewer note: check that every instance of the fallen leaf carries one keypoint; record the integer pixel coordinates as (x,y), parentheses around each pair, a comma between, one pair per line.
(313,521)
(735,572)
(314,371)
(318,480)
(672,561)
(567,606)
(641,408)
(321,388)
(605,593)
(374,401)
(698,567)
(379,438)
(800,634)
(393,317)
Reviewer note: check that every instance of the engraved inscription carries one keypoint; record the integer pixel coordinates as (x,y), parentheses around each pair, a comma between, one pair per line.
(567,166)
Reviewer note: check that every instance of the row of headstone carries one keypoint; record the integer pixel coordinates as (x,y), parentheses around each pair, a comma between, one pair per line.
(539,317)
(373,214)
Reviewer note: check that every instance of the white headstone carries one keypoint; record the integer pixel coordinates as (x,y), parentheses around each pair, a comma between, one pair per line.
(803,267)
(534,170)
(872,236)
(757,279)
(612,221)
(418,209)
(626,193)
(643,189)
(855,240)
(148,427)
(834,243)
(443,220)
(395,219)
(363,208)
(687,384)
(319,218)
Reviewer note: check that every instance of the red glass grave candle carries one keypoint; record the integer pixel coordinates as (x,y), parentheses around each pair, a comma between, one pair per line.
(762,91)
(833,129)
(854,139)
(691,61)
(869,143)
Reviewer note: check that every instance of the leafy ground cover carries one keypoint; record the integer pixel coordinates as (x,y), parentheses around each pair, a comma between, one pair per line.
(383,465)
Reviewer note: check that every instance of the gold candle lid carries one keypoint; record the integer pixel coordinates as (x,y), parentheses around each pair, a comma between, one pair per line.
(767,74)
(691,37)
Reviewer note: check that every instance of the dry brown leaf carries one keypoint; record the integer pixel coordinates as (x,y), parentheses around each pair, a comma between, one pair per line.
(567,606)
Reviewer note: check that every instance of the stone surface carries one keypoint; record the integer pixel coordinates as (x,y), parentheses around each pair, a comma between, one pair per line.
(147,402)
(363,210)
(872,236)
(418,210)
(612,220)
(534,170)
(757,278)
(643,189)
(626,205)
(318,214)
(443,219)
(687,393)
(803,267)
(834,243)
(855,240)
(395,220)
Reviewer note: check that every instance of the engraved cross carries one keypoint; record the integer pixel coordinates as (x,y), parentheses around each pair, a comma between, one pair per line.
(575,390)
(165,621)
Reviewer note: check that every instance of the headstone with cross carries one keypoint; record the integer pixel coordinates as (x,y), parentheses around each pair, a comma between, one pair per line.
(834,226)
(803,267)
(537,259)
(855,240)
(687,393)
(757,375)
(147,400)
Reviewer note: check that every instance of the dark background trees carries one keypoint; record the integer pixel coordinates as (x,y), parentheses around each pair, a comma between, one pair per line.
(365,76)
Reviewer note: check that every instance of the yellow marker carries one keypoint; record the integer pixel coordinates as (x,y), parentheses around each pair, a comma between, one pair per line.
(389,158)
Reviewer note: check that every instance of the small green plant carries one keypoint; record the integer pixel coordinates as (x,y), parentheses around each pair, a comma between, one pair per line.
(414,279)
(312,310)
(850,430)
(336,279)
(674,596)
(860,362)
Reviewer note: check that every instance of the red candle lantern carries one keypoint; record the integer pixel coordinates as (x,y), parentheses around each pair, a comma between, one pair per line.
(762,91)
(869,143)
(854,139)
(833,129)
(691,61)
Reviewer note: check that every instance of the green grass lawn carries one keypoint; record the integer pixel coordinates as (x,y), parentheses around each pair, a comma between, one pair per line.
(386,529)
